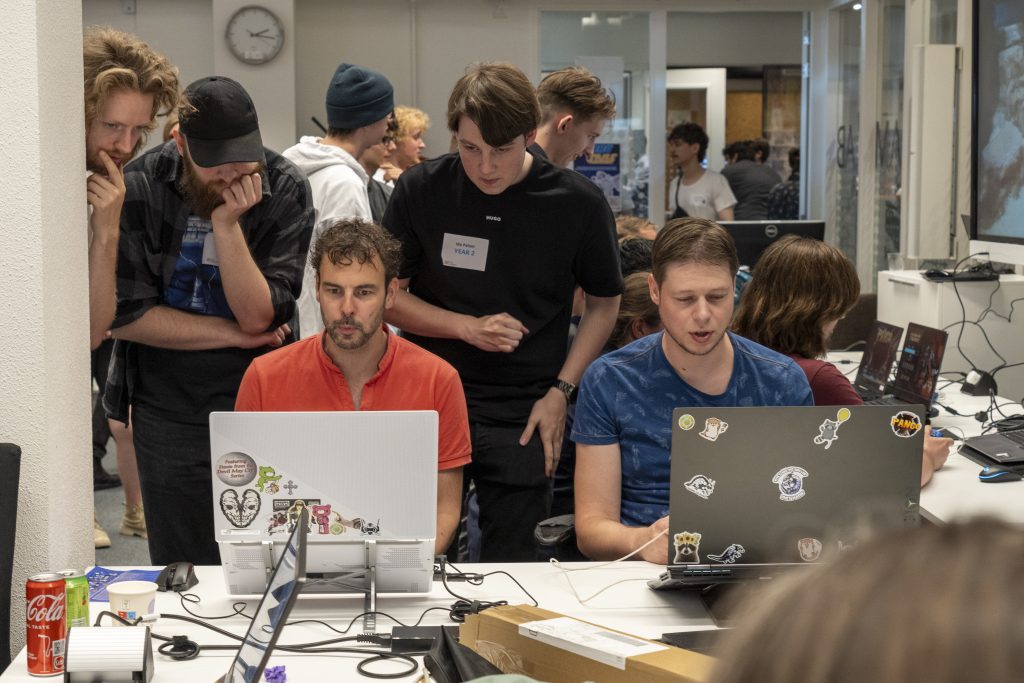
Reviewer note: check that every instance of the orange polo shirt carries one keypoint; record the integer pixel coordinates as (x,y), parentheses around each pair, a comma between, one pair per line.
(301,377)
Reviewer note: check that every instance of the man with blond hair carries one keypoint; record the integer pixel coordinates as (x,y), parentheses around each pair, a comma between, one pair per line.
(409,145)
(574,108)
(127,85)
(494,240)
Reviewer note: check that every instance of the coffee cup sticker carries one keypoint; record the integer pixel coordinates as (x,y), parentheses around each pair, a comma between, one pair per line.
(713,428)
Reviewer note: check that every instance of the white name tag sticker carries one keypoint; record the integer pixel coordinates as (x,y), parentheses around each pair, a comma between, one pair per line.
(459,251)
(210,251)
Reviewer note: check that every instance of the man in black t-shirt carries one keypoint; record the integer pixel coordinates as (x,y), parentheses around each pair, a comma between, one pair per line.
(494,240)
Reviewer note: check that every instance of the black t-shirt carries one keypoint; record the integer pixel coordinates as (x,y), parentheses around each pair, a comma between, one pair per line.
(531,245)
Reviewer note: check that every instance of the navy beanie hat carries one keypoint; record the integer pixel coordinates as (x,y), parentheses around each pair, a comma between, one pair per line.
(357,97)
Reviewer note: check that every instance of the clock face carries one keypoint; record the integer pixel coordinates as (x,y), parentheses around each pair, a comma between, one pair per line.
(255,35)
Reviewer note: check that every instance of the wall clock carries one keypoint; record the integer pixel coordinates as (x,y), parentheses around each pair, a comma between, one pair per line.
(254,35)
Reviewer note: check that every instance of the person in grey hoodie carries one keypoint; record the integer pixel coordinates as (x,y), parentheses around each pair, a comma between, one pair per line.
(360,103)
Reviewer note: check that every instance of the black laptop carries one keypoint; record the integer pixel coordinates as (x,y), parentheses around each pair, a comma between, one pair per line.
(1002,448)
(876,364)
(759,492)
(918,369)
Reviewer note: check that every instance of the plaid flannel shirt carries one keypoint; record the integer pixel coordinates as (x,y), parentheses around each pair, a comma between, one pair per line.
(153,220)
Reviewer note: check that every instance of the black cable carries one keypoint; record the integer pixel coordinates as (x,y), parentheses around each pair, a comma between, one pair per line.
(363,663)
(963,309)
(464,606)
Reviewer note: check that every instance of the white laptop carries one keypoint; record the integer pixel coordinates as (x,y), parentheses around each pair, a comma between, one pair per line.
(367,479)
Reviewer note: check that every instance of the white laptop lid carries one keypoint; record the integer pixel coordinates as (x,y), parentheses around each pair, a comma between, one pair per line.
(360,475)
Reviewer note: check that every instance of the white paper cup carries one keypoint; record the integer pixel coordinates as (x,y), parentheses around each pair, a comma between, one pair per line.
(132,599)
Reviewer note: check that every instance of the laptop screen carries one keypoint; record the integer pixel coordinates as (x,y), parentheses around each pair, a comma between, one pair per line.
(919,365)
(272,612)
(882,344)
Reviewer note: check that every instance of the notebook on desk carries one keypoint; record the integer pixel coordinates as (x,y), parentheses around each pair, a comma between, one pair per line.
(876,364)
(918,369)
(756,492)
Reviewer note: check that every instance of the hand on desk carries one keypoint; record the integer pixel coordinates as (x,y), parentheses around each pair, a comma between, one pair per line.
(936,450)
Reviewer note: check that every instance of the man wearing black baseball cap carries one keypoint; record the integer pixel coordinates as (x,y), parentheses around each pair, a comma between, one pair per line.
(359,105)
(215,230)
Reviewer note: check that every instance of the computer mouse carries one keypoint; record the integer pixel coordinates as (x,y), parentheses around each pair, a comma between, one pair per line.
(936,273)
(177,577)
(994,474)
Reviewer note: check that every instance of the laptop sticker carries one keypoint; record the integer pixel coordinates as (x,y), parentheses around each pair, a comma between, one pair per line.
(700,485)
(828,431)
(236,469)
(321,516)
(810,549)
(242,512)
(791,483)
(729,555)
(905,424)
(845,547)
(687,546)
(267,476)
(290,487)
(714,428)
(686,422)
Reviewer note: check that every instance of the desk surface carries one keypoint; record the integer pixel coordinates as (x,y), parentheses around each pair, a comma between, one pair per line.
(954,491)
(628,606)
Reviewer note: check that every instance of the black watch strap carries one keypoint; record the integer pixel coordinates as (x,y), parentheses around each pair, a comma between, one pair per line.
(567,388)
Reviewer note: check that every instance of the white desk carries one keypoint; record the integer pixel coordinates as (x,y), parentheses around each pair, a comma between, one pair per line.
(630,607)
(955,491)
(904,296)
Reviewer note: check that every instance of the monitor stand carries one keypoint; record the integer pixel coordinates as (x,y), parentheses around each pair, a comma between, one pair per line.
(359,580)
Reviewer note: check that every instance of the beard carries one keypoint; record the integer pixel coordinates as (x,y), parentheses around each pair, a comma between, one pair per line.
(202,197)
(356,340)
(93,163)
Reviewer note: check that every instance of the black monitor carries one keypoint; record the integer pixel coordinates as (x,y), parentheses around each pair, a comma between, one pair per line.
(997,212)
(753,237)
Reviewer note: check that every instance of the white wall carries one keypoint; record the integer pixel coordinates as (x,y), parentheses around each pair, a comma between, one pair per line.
(272,85)
(180,30)
(44,341)
(741,38)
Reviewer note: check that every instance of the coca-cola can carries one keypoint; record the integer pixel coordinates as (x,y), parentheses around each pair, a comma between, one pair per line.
(45,624)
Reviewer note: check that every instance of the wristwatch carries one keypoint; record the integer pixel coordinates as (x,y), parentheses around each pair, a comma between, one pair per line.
(567,388)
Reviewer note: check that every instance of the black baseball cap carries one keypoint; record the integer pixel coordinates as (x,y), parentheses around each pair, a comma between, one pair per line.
(223,128)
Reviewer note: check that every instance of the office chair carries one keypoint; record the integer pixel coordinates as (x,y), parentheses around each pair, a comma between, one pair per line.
(10,466)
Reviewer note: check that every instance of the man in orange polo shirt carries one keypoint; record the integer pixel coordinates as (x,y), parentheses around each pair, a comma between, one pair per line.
(357,363)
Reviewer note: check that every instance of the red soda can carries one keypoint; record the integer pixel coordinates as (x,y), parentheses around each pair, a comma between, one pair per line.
(45,624)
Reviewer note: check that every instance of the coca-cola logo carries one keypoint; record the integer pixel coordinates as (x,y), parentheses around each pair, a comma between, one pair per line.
(45,608)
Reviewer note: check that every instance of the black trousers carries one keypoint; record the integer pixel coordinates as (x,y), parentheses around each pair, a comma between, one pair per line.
(100,429)
(512,492)
(177,489)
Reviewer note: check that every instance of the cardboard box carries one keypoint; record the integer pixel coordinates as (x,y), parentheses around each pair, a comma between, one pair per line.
(569,650)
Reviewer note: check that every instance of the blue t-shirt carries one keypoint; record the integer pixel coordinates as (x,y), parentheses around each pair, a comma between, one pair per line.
(627,397)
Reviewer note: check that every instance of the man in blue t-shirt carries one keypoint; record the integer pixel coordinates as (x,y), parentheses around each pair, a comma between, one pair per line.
(624,411)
